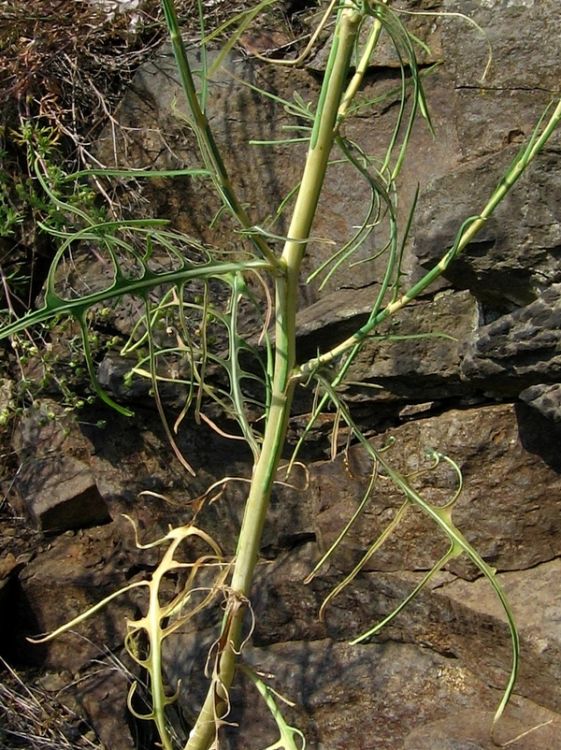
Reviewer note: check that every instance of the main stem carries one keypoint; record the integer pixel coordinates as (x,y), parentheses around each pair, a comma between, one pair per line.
(286,296)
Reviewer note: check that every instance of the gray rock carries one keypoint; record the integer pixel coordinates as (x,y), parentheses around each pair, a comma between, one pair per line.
(475,106)
(111,375)
(464,620)
(425,27)
(416,355)
(519,349)
(375,707)
(545,399)
(516,253)
(154,108)
(156,135)
(463,106)
(525,45)
(501,109)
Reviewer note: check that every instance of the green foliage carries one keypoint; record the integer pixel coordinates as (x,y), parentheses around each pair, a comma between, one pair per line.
(190,328)
(25,207)
(46,360)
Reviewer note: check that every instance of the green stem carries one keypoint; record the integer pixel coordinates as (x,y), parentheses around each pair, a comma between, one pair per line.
(286,289)
(361,68)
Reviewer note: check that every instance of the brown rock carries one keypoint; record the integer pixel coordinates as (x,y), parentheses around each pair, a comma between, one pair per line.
(64,581)
(55,481)
(103,697)
(536,604)
(344,696)
(61,494)
(526,726)
(509,507)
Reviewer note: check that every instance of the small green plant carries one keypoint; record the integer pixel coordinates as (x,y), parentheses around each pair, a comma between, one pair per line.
(48,357)
(191,331)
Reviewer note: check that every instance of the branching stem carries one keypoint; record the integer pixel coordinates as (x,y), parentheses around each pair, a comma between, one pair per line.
(467,232)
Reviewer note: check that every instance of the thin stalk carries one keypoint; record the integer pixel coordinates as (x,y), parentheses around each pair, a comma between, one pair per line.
(286,288)
(155,658)
(361,68)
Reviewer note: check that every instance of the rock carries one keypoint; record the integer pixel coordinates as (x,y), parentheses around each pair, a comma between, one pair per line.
(536,604)
(309,662)
(525,46)
(417,354)
(55,479)
(376,706)
(289,519)
(507,510)
(514,114)
(103,697)
(432,677)
(422,23)
(8,564)
(132,455)
(452,616)
(334,315)
(518,84)
(155,107)
(414,355)
(519,349)
(515,255)
(62,583)
(152,114)
(111,375)
(285,608)
(60,494)
(526,726)
(447,618)
(545,399)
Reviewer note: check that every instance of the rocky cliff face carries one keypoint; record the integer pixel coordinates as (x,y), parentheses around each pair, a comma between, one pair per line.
(487,394)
